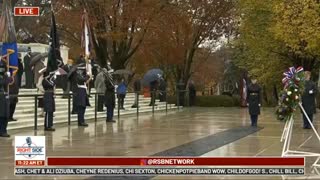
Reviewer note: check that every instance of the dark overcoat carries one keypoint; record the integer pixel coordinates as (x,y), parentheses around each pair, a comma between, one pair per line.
(4,101)
(48,97)
(110,97)
(28,71)
(308,98)
(254,99)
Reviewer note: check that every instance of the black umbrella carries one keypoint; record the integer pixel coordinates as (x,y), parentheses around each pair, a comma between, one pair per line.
(152,75)
(74,69)
(36,57)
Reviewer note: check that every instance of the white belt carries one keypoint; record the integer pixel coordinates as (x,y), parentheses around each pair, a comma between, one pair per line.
(82,86)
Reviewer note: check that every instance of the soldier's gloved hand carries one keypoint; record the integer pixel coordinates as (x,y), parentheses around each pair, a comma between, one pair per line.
(259,105)
(311,92)
(8,74)
(247,104)
(54,76)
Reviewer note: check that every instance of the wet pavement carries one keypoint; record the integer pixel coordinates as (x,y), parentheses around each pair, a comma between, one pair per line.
(150,135)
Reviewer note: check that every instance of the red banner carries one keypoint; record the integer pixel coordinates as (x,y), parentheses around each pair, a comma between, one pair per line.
(174,161)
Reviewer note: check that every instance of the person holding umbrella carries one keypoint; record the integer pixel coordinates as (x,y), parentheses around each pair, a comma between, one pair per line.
(121,92)
(137,89)
(100,87)
(151,79)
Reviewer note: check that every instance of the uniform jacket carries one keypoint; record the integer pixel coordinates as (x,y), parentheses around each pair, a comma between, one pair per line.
(48,97)
(254,99)
(81,93)
(308,98)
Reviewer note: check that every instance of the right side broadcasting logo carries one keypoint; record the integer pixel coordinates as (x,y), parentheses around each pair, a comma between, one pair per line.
(29,149)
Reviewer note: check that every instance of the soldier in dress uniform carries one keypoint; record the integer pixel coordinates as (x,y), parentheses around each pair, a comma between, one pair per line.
(308,100)
(49,83)
(4,100)
(81,94)
(254,101)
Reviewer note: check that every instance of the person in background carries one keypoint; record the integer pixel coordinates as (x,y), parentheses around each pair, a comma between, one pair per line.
(153,91)
(95,69)
(81,94)
(254,101)
(110,98)
(121,92)
(28,70)
(308,100)
(48,84)
(41,91)
(13,99)
(20,70)
(100,87)
(181,93)
(4,81)
(66,83)
(192,93)
(137,89)
(162,90)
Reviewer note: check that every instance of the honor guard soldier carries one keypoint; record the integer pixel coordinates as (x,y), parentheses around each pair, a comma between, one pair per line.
(254,101)
(4,100)
(48,84)
(308,100)
(81,96)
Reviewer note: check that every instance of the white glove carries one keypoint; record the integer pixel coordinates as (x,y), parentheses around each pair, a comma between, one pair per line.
(111,71)
(259,105)
(311,92)
(8,74)
(54,76)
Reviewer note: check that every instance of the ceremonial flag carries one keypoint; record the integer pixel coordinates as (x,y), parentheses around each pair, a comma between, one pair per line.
(54,60)
(8,37)
(86,40)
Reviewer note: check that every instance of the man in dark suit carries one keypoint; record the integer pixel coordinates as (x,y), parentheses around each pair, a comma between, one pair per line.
(162,90)
(137,89)
(4,81)
(28,71)
(308,100)
(20,70)
(153,91)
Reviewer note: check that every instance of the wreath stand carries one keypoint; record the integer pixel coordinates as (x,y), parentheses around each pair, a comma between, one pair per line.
(286,137)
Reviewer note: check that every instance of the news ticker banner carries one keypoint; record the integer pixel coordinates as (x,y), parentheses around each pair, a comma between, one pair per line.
(157,171)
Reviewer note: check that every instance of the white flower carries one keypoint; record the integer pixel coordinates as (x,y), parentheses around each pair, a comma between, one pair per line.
(289,93)
(297,97)
(287,99)
(295,90)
